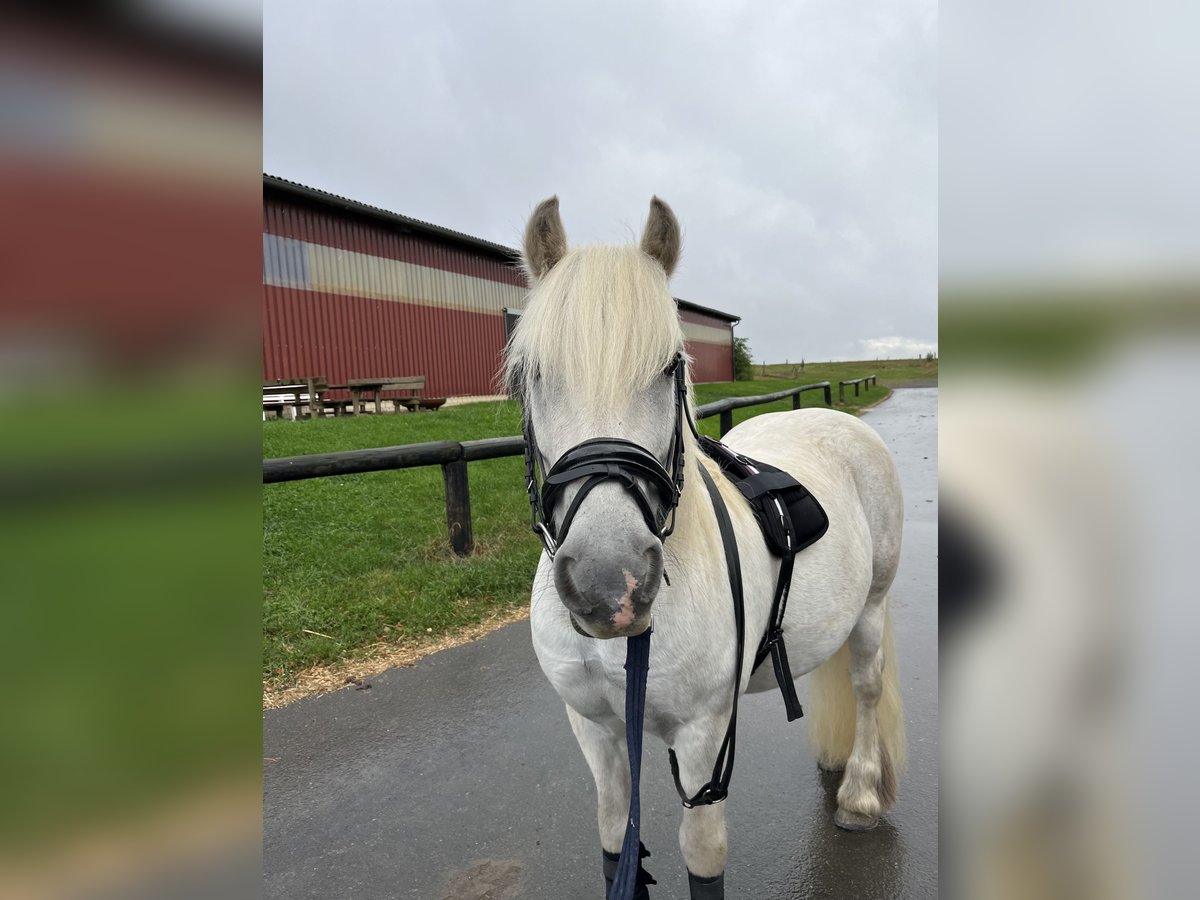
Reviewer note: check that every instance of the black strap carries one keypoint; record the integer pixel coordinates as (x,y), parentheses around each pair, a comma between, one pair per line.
(753,487)
(772,643)
(757,485)
(604,473)
(717,789)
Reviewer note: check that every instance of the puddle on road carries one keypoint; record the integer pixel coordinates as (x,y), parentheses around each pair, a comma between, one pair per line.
(492,879)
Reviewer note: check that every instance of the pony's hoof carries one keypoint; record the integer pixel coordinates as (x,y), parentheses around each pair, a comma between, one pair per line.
(852,821)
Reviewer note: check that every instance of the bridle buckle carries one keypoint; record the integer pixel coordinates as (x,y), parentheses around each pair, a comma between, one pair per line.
(547,541)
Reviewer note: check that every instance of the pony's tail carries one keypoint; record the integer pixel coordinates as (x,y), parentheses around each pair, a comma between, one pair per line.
(833,710)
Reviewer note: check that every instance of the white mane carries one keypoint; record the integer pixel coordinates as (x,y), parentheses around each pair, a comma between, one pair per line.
(601,320)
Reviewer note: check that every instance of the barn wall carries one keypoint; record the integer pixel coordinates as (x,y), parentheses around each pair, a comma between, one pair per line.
(347,298)
(710,343)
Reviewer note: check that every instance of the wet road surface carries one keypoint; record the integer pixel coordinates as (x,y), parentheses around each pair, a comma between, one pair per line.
(460,778)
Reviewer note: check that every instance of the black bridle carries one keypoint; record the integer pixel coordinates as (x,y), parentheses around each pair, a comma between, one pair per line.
(609,459)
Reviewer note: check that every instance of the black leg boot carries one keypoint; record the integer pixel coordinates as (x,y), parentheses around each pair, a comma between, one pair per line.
(644,878)
(610,861)
(706,888)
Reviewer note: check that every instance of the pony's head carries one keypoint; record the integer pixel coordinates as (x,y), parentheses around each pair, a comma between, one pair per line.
(590,358)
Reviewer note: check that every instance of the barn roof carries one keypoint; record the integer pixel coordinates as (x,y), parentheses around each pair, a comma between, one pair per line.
(407,223)
(707,310)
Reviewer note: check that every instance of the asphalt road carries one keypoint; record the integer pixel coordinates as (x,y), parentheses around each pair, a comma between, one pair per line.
(460,778)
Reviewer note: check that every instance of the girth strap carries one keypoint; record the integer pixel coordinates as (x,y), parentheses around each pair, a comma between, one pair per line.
(772,643)
(717,789)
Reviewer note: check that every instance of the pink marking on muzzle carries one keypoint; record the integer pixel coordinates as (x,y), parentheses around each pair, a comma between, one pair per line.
(624,616)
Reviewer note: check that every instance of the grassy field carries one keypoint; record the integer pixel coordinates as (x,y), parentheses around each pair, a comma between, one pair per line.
(351,562)
(891,372)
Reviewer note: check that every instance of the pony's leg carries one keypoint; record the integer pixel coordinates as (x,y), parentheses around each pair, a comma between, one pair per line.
(608,758)
(702,836)
(869,782)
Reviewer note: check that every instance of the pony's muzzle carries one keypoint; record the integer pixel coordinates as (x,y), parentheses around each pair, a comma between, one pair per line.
(610,594)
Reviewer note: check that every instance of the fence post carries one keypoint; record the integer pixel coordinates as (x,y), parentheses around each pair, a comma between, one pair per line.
(796,400)
(458,507)
(856,384)
(828,395)
(726,421)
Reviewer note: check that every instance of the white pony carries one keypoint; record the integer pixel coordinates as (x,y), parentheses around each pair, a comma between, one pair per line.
(589,359)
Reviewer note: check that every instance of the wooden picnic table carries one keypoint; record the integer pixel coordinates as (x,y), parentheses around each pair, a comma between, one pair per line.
(360,387)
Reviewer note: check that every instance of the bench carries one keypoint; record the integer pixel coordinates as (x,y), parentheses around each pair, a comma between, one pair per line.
(295,394)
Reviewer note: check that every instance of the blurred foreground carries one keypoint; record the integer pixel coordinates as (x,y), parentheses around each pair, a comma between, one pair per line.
(1068,600)
(1070,338)
(129,525)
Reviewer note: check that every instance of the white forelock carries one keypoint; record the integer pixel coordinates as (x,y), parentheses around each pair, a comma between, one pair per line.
(602,320)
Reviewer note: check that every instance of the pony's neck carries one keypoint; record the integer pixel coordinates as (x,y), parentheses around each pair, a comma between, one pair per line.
(694,538)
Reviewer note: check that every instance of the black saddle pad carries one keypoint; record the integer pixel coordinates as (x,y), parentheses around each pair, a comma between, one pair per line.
(788,514)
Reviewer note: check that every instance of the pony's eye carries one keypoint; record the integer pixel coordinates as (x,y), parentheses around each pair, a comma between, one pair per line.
(672,366)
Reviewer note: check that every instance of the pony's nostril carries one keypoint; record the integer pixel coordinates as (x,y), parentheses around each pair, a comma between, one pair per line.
(568,585)
(568,570)
(654,563)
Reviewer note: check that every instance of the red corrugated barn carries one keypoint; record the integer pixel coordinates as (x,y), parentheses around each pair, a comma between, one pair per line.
(709,336)
(353,291)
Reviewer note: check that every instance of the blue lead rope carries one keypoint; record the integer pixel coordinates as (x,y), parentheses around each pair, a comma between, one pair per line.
(637,664)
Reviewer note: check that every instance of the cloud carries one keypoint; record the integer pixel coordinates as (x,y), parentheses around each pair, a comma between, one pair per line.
(894,348)
(797,144)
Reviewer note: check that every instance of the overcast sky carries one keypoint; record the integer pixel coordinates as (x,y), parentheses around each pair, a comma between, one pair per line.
(797,144)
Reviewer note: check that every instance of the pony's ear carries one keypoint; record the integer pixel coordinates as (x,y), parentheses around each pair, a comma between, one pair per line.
(661,238)
(545,238)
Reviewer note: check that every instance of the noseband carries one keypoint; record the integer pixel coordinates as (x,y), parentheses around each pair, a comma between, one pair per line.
(609,459)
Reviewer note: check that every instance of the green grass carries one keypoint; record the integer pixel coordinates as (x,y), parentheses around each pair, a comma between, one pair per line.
(127,639)
(130,656)
(364,558)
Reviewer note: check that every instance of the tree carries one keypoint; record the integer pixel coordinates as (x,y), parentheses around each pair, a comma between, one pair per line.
(743,362)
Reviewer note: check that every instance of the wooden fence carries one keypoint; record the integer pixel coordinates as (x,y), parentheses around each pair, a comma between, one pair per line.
(453,457)
(866,380)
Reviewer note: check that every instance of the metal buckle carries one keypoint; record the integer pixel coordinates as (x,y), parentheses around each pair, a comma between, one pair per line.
(710,795)
(547,541)
(713,795)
